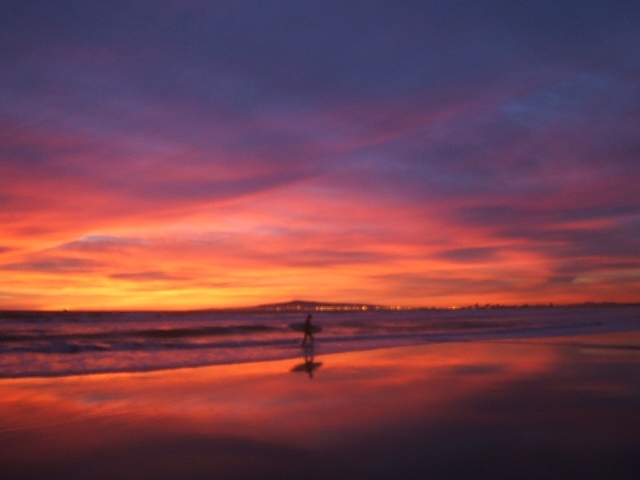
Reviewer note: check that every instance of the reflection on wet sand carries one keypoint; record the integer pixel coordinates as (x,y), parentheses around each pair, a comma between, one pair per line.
(462,410)
(308,365)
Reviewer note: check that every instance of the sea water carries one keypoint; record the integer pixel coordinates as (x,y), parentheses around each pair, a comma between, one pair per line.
(66,343)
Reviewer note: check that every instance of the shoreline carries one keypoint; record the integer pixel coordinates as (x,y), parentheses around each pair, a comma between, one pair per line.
(242,354)
(232,351)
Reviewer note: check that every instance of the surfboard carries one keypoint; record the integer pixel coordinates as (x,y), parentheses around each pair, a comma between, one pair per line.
(299,327)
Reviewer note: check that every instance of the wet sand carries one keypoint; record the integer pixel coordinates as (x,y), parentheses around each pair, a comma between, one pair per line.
(565,407)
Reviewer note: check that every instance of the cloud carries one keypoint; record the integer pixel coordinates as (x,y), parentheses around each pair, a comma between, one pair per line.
(53,265)
(146,276)
(470,255)
(101,243)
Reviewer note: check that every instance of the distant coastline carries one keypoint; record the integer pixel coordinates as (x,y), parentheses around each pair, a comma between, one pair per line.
(311,306)
(307,306)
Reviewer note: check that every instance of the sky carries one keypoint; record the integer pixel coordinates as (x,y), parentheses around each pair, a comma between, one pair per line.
(194,154)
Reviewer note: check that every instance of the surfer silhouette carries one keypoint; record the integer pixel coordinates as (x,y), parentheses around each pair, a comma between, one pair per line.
(307,330)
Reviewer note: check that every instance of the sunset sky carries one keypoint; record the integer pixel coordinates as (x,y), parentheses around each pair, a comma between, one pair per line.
(193,154)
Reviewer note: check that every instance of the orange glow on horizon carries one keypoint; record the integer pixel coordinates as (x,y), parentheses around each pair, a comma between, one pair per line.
(243,258)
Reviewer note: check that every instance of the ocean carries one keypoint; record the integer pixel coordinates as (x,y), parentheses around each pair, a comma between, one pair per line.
(41,344)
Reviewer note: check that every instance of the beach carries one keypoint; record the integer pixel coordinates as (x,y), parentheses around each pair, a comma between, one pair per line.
(562,406)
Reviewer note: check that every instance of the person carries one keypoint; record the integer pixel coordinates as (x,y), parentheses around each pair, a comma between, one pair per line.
(307,330)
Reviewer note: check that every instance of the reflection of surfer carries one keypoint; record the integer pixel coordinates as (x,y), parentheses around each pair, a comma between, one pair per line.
(309,365)
(307,330)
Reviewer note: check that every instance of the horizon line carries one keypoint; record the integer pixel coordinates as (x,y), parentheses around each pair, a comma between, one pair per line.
(316,306)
